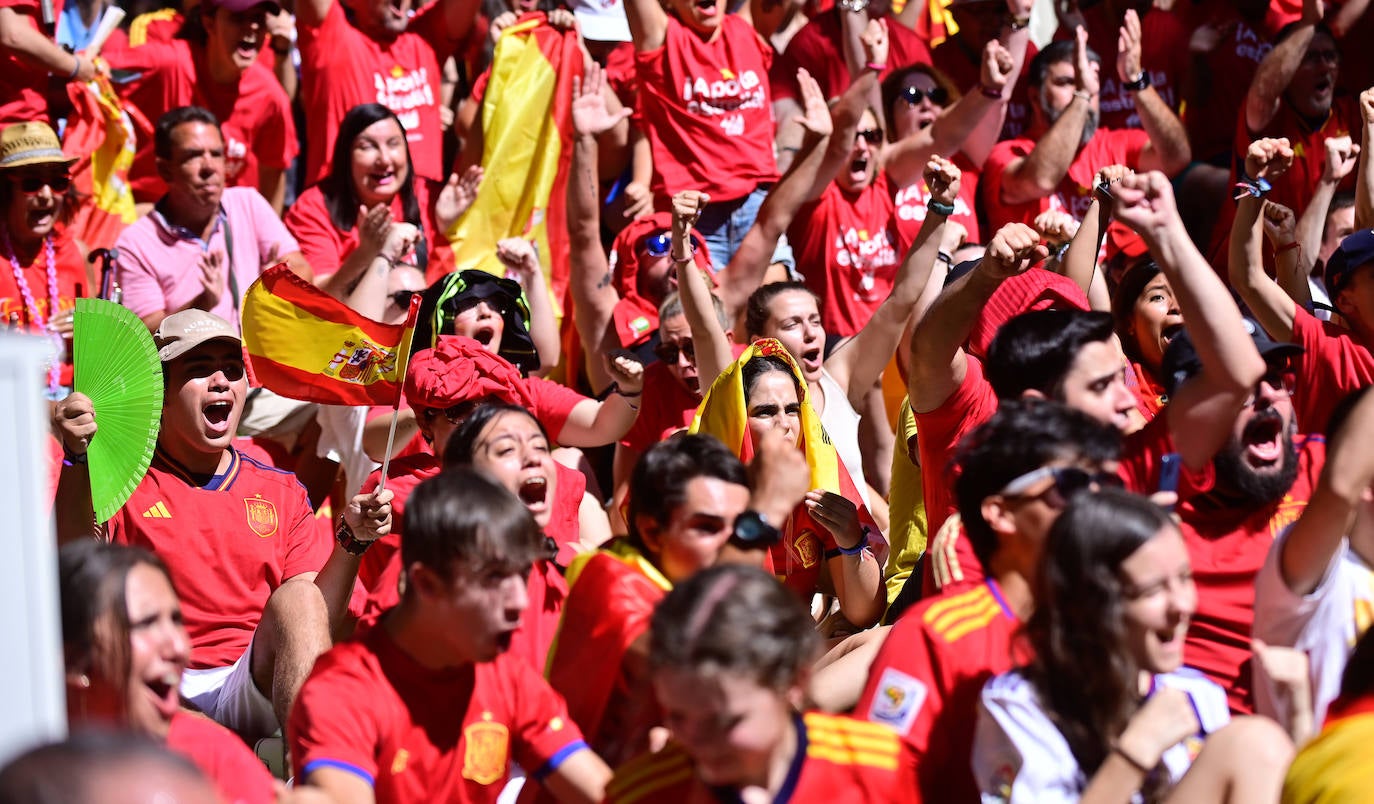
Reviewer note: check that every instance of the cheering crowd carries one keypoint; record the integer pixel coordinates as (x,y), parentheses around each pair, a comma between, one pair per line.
(872,404)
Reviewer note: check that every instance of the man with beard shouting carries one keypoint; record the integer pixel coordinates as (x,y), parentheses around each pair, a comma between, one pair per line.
(1264,477)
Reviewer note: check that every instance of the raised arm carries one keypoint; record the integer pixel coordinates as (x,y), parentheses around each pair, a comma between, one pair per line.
(1292,266)
(1039,172)
(746,270)
(1277,68)
(1348,473)
(1364,180)
(593,297)
(520,258)
(856,365)
(1079,261)
(29,45)
(73,422)
(938,362)
(712,347)
(1341,156)
(1203,411)
(1168,148)
(978,111)
(1271,306)
(848,112)
(648,24)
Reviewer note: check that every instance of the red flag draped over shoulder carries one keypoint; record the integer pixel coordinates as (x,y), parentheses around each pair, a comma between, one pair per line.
(102,133)
(304,344)
(527,148)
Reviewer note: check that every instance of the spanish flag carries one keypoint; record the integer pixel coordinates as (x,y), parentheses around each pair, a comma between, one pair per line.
(102,133)
(724,413)
(304,344)
(527,136)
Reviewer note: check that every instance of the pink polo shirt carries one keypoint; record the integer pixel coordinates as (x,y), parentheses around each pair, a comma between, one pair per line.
(159,264)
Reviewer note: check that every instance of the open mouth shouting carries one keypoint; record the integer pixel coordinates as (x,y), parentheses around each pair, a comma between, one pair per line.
(217,414)
(534,493)
(1262,440)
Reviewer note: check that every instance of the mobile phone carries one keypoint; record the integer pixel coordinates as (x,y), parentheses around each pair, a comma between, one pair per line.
(1169,466)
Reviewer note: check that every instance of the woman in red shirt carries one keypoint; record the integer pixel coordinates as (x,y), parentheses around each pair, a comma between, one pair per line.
(342,222)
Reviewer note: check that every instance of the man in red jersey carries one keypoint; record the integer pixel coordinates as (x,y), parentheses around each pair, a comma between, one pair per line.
(1055,165)
(260,589)
(959,56)
(1017,471)
(377,53)
(214,64)
(437,707)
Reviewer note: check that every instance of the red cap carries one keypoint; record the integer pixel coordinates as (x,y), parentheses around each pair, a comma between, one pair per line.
(1036,289)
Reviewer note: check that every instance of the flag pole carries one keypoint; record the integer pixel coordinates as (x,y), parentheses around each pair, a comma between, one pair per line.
(403,365)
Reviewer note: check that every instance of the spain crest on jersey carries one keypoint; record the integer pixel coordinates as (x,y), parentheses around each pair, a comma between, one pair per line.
(487,747)
(807,548)
(262,516)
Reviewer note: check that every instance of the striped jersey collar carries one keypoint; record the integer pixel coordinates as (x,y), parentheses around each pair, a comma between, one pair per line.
(217,482)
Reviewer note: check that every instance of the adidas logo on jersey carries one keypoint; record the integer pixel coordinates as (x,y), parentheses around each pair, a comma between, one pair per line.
(157,511)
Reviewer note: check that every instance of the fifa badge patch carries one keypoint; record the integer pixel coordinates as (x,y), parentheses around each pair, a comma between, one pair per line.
(262,516)
(898,700)
(486,751)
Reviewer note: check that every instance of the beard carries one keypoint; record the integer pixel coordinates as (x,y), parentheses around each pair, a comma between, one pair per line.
(1254,488)
(1089,125)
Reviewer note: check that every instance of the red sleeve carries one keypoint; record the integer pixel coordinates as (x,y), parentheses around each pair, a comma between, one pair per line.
(1126,145)
(236,772)
(479,86)
(321,244)
(1140,462)
(1333,366)
(274,137)
(903,691)
(545,734)
(803,51)
(994,169)
(307,547)
(553,403)
(939,432)
(321,732)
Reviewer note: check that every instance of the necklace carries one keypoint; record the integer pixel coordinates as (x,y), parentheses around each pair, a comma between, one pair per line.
(38,322)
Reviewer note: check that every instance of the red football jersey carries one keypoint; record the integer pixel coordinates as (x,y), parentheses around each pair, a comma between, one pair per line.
(342,67)
(1075,190)
(911,203)
(1163,54)
(838,759)
(1227,548)
(846,249)
(926,681)
(706,110)
(816,47)
(227,545)
(424,735)
(1333,366)
(255,116)
(222,756)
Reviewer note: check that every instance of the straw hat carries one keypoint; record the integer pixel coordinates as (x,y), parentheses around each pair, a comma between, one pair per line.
(24,144)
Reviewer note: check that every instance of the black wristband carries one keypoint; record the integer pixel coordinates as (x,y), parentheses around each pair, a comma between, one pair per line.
(940,208)
(1142,81)
(351,544)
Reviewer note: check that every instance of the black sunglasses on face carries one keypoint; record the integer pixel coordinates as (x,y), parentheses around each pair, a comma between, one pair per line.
(32,184)
(873,135)
(668,352)
(914,95)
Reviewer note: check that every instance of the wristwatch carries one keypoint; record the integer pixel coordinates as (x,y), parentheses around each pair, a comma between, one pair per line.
(852,5)
(753,532)
(1141,81)
(351,544)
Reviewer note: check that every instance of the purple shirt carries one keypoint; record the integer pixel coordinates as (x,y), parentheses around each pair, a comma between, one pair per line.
(159,262)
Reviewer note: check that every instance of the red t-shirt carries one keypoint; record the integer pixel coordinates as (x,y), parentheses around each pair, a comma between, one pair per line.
(255,115)
(838,759)
(941,429)
(846,249)
(417,734)
(553,403)
(816,47)
(23,88)
(962,62)
(667,407)
(70,269)
(380,567)
(608,608)
(926,680)
(1227,548)
(912,202)
(237,773)
(1163,53)
(1333,366)
(341,67)
(325,247)
(1075,190)
(706,110)
(227,545)
(1228,71)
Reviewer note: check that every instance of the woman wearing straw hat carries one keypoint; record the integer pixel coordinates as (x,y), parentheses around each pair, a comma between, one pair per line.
(46,271)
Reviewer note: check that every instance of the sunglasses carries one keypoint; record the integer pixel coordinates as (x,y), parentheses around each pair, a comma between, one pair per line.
(657,244)
(456,414)
(1068,482)
(32,184)
(914,95)
(668,352)
(401,298)
(874,136)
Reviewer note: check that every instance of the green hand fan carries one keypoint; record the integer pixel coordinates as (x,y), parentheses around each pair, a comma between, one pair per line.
(117,366)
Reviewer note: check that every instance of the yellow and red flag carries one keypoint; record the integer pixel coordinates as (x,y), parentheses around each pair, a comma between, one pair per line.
(103,133)
(527,148)
(304,344)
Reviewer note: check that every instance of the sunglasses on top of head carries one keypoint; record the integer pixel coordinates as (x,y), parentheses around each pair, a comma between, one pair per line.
(1068,482)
